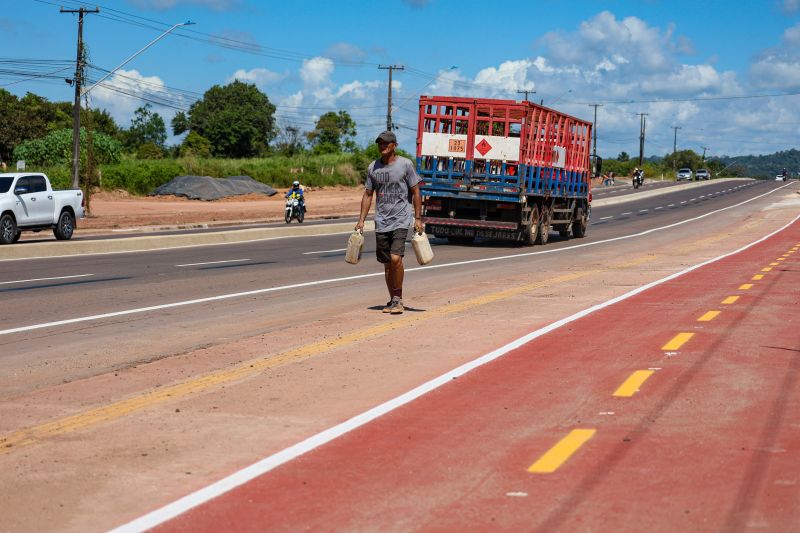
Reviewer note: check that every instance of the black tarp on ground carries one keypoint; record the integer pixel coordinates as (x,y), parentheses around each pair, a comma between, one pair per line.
(208,188)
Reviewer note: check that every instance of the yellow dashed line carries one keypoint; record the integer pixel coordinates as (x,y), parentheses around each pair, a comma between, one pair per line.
(781,259)
(632,384)
(730,299)
(709,316)
(774,264)
(677,341)
(745,286)
(758,277)
(766,269)
(563,450)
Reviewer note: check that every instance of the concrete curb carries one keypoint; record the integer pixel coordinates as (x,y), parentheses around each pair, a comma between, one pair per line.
(40,250)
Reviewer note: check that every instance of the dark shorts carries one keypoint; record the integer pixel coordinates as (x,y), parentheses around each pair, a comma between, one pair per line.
(390,243)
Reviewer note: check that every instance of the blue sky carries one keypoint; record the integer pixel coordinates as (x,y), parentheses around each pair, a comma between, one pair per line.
(726,72)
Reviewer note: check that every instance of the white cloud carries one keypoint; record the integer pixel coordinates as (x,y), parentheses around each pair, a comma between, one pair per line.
(791,6)
(779,67)
(261,77)
(316,72)
(346,52)
(122,106)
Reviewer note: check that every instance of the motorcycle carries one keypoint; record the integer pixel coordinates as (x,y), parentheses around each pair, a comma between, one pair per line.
(294,209)
(638,180)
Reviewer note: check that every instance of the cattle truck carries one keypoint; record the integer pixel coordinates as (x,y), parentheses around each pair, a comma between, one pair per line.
(502,169)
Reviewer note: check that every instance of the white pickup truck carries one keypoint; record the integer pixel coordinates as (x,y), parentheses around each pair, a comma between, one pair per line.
(29,203)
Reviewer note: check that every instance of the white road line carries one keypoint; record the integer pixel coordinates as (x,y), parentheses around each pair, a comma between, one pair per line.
(326,251)
(266,290)
(275,460)
(213,262)
(659,207)
(671,205)
(644,210)
(605,218)
(45,279)
(683,202)
(628,213)
(691,199)
(703,196)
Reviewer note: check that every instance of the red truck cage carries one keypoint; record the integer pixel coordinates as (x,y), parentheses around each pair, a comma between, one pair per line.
(501,151)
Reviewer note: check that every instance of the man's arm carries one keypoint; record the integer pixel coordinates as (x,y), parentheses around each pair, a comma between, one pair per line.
(416,199)
(366,202)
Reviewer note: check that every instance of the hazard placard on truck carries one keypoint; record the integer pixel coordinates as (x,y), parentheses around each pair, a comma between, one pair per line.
(502,169)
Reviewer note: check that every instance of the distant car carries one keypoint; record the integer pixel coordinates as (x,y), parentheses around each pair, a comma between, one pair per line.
(780,177)
(702,174)
(684,174)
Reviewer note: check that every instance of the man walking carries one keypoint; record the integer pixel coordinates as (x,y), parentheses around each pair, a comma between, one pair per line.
(392,177)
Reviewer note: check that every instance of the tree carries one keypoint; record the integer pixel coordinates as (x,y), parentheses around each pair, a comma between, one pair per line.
(623,156)
(684,159)
(147,127)
(196,145)
(237,119)
(333,132)
(290,141)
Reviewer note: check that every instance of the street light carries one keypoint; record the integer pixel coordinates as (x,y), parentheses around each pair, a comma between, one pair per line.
(76,132)
(148,45)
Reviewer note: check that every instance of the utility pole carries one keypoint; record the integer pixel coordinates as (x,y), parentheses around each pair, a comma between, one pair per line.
(704,152)
(594,131)
(675,139)
(390,68)
(526,93)
(642,124)
(76,108)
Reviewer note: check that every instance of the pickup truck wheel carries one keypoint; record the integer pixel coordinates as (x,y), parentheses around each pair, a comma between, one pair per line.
(532,229)
(64,227)
(579,226)
(8,229)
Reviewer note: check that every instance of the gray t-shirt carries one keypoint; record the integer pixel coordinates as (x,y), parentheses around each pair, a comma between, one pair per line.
(391,183)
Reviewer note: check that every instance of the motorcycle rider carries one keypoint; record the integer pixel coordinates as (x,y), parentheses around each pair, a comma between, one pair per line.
(297,192)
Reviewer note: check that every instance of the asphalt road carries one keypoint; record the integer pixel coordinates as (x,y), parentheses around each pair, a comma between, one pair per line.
(129,380)
(38,294)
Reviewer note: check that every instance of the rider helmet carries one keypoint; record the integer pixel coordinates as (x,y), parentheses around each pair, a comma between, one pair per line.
(295,183)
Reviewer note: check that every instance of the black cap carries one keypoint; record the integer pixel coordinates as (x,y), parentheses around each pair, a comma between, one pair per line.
(387,136)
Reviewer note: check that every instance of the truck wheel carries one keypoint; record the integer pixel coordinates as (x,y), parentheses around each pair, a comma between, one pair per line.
(8,229)
(580,225)
(532,229)
(64,227)
(544,227)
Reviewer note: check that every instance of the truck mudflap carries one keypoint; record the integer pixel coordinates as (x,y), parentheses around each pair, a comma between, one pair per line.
(453,227)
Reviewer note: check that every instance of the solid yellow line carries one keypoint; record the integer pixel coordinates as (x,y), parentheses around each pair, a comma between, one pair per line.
(745,286)
(33,434)
(730,299)
(709,316)
(758,277)
(766,269)
(677,341)
(563,450)
(632,384)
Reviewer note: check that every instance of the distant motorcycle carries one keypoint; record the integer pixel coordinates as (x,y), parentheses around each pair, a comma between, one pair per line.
(294,209)
(638,180)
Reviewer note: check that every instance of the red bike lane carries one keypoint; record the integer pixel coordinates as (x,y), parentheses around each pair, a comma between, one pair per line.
(677,408)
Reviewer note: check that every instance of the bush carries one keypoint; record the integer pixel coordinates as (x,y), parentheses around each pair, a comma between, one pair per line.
(56,149)
(139,176)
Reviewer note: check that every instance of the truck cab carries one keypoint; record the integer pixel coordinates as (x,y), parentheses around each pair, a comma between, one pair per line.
(29,203)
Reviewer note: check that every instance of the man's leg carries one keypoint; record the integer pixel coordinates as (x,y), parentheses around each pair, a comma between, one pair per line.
(396,273)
